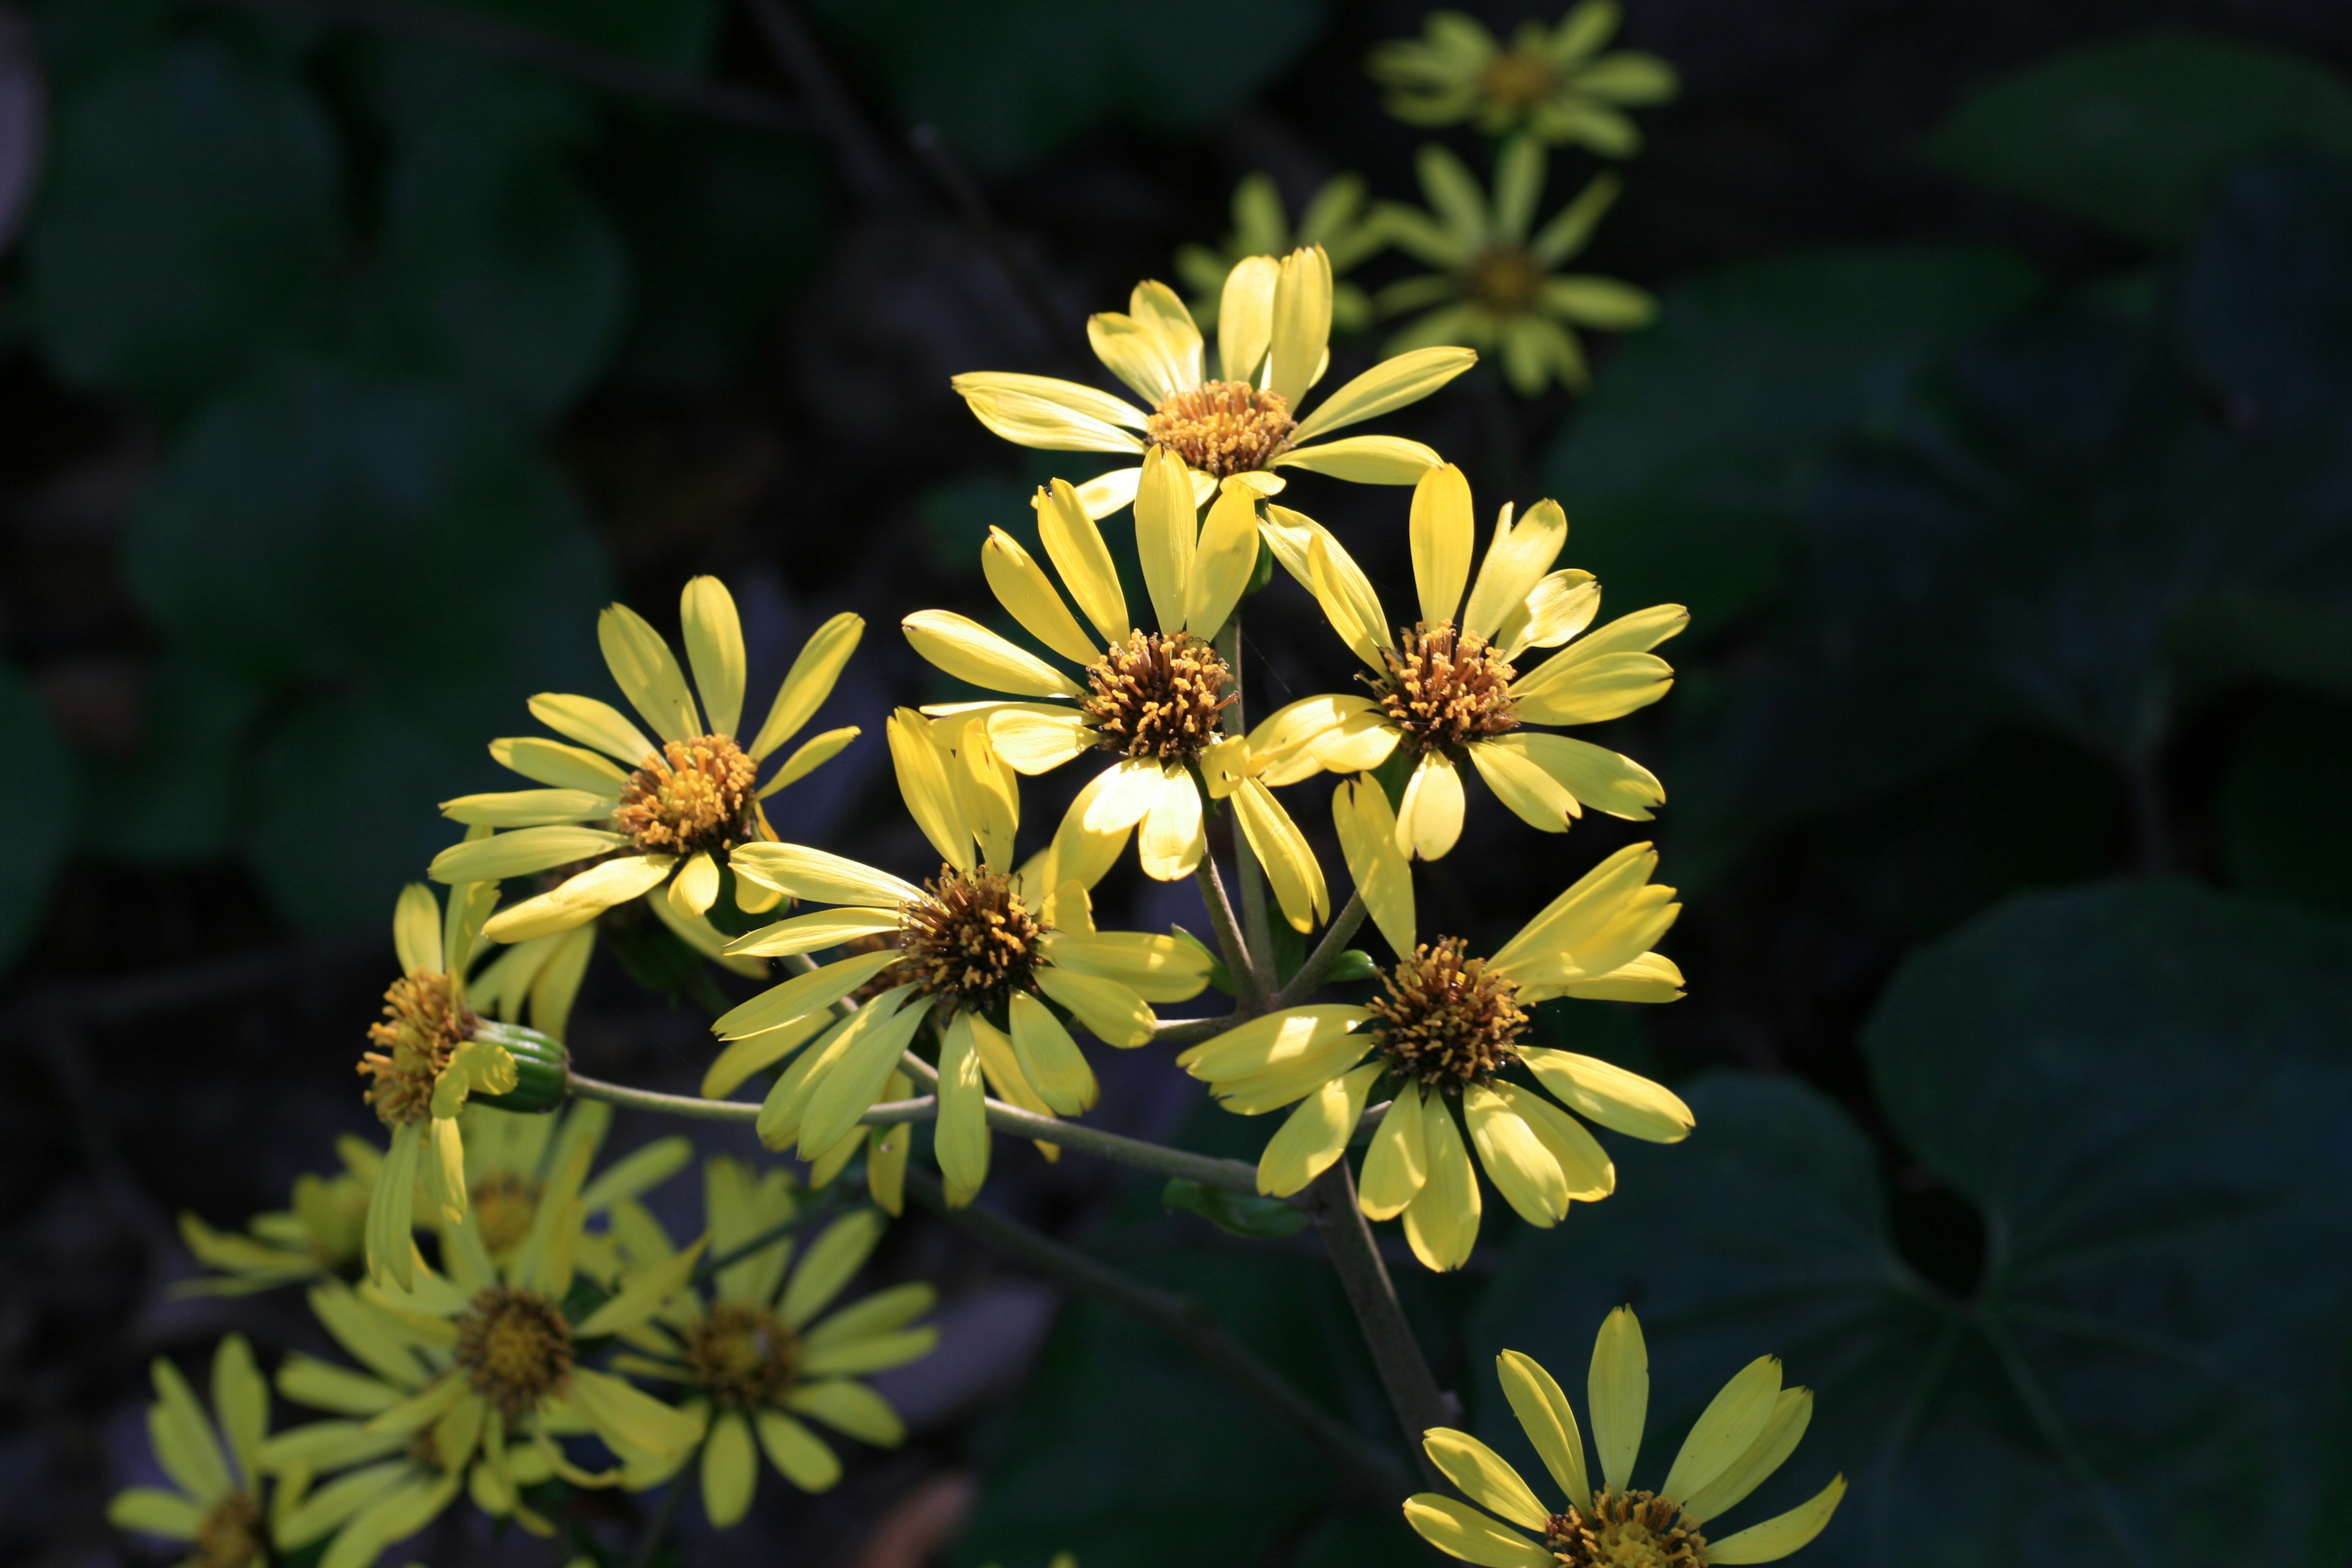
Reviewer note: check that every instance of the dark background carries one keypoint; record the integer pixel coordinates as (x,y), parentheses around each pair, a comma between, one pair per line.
(1994,429)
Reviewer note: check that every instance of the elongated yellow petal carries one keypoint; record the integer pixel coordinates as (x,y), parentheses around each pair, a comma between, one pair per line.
(923,783)
(1583,1164)
(1279,1086)
(559,767)
(1531,792)
(1048,424)
(812,754)
(730,1469)
(1429,817)
(809,682)
(1347,598)
(593,724)
(1246,316)
(1545,1417)
(757,1053)
(1314,1135)
(1121,797)
(1075,397)
(799,1454)
(1485,1477)
(417,930)
(1515,562)
(530,807)
(1039,740)
(391,1251)
(1441,1223)
(1592,690)
(1075,547)
(846,1088)
(1106,493)
(1397,1163)
(521,852)
(1617,1393)
(814,932)
(1726,1429)
(1389,384)
(1462,1531)
(1777,1537)
(1383,877)
(1302,324)
(647,673)
(1027,594)
(800,872)
(1110,1008)
(1599,777)
(1589,906)
(1620,1101)
(961,1140)
(579,899)
(1227,557)
(182,1438)
(1167,531)
(1364,459)
(850,1408)
(642,1294)
(152,1510)
(714,650)
(970,651)
(1291,869)
(1443,537)
(831,1261)
(1160,311)
(1136,352)
(1049,1058)
(1652,977)
(1792,1411)
(802,995)
(1517,1161)
(696,886)
(1562,604)
(1270,1041)
(1172,843)
(1156,968)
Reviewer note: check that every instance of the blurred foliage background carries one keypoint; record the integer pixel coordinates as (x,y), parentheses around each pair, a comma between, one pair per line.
(1996,426)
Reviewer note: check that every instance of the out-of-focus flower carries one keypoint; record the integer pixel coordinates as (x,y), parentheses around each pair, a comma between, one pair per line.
(215,1500)
(1336,219)
(322,1231)
(1553,83)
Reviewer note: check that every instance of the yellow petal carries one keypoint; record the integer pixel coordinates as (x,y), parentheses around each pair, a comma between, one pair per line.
(1441,1223)
(1110,1008)
(1591,903)
(1289,860)
(647,673)
(1429,817)
(1592,690)
(1562,604)
(714,651)
(851,1408)
(1027,594)
(798,1454)
(392,1206)
(417,930)
(580,899)
(962,1141)
(1048,423)
(970,651)
(1652,977)
(1462,1531)
(1545,1417)
(1620,1101)
(1597,776)
(1172,843)
(1075,396)
(521,852)
(1050,1059)
(1583,1164)
(1485,1477)
(241,1401)
(1075,547)
(1227,559)
(152,1510)
(1792,1411)
(1160,311)
(741,1059)
(1347,598)
(1035,741)
(1156,968)
(730,1470)
(832,1261)
(1397,1163)
(1315,1134)
(1777,1537)
(593,724)
(1123,796)
(182,1438)
(1443,536)
(696,886)
(1726,1428)
(1515,562)
(1533,794)
(1364,459)
(560,767)
(1617,1395)
(848,1086)
(809,682)
(1383,877)
(1391,384)
(813,874)
(814,932)
(802,995)
(923,783)
(1246,316)
(1517,1161)
(811,755)
(1134,351)
(642,1295)
(1270,1041)
(1167,531)
(1302,324)
(1106,493)
(530,807)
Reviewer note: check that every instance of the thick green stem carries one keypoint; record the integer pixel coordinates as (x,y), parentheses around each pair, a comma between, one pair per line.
(1327,953)
(1185,1031)
(1180,1317)
(1249,986)
(1254,920)
(1413,1389)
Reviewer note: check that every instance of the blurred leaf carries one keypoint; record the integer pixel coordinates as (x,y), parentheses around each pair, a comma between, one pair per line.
(1010,81)
(2134,135)
(188,230)
(2139,1087)
(674,33)
(1254,1219)
(177,799)
(1684,469)
(2266,306)
(41,823)
(2284,833)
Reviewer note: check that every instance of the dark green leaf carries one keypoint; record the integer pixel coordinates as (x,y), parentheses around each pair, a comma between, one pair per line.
(2284,831)
(1236,1214)
(41,823)
(674,33)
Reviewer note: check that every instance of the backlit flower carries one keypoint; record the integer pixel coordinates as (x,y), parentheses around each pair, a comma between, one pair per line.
(1552,82)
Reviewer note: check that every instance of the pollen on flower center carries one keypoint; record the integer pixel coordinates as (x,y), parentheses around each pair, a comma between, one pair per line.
(425,1022)
(1624,1530)
(971,940)
(1447,1021)
(743,1356)
(1444,689)
(514,1348)
(230,1534)
(1157,694)
(504,1203)
(1224,427)
(696,795)
(1518,79)
(1506,279)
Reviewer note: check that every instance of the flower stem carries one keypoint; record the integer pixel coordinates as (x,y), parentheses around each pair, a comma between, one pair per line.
(1249,989)
(1255,922)
(657,1525)
(1413,1389)
(1327,953)
(1180,1317)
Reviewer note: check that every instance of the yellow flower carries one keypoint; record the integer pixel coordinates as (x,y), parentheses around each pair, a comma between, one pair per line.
(322,1232)
(1495,290)
(1150,698)
(215,1502)
(1335,219)
(471,1379)
(986,953)
(1552,82)
(1449,689)
(1274,321)
(511,1158)
(1447,1030)
(1740,1439)
(626,813)
(761,1353)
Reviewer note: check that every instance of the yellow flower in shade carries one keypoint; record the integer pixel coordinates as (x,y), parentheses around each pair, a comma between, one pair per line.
(1151,699)
(323,1231)
(987,954)
(1448,689)
(1274,322)
(1441,1036)
(215,1500)
(627,815)
(762,1356)
(1740,1438)
(470,1381)
(1496,287)
(1336,219)
(1552,82)
(511,1157)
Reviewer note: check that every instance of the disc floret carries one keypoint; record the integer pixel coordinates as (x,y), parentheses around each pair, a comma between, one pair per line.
(1447,1021)
(692,798)
(504,1203)
(514,1349)
(1223,427)
(1444,689)
(231,1534)
(1157,695)
(969,940)
(425,1020)
(744,1356)
(1631,1529)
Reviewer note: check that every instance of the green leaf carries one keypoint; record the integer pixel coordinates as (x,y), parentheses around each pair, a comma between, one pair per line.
(2265,300)
(41,822)
(678,33)
(2134,135)
(188,227)
(1236,1214)
(2284,834)
(2138,1089)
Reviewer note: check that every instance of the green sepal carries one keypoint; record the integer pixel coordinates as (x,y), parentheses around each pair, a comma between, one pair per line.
(1352,965)
(543,1069)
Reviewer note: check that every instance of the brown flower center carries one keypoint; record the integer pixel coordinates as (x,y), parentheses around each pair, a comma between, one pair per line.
(504,1203)
(1624,1530)
(1446,1021)
(1518,80)
(425,1022)
(1157,694)
(1506,279)
(697,795)
(1444,690)
(744,1357)
(514,1348)
(972,941)
(230,1534)
(1224,427)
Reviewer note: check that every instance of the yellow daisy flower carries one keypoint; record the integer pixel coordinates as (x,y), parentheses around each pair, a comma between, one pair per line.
(985,953)
(1552,82)
(1274,322)
(633,816)
(761,1353)
(1495,288)
(1740,1438)
(215,1502)
(322,1232)
(1150,698)
(1445,1031)
(511,1158)
(475,1374)
(1336,218)
(1448,687)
